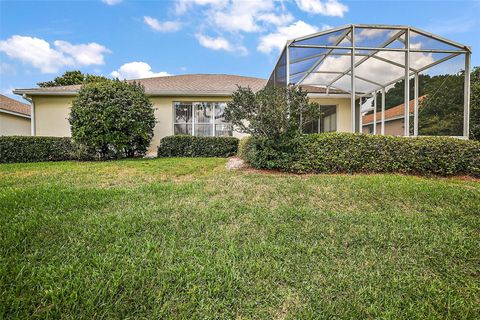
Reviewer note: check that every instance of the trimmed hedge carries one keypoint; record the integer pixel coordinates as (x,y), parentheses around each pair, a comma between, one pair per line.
(35,149)
(14,149)
(349,153)
(190,146)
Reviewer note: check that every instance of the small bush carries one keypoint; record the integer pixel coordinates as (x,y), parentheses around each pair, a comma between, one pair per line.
(14,149)
(190,146)
(345,152)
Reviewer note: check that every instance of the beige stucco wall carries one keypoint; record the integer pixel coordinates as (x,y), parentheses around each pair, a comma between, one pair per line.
(12,125)
(343,111)
(164,114)
(392,127)
(51,115)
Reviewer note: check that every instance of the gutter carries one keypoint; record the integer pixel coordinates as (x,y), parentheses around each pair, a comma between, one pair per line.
(23,93)
(15,113)
(166,94)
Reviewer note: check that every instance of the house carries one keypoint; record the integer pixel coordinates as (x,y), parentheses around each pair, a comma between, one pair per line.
(184,104)
(338,67)
(14,117)
(394,119)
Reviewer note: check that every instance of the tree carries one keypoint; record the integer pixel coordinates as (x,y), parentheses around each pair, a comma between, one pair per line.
(113,119)
(71,78)
(396,95)
(441,111)
(273,113)
(475,104)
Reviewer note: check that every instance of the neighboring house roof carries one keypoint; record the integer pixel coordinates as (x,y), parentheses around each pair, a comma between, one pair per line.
(322,90)
(188,84)
(12,106)
(392,113)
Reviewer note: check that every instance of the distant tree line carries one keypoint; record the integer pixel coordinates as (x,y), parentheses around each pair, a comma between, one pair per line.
(441,111)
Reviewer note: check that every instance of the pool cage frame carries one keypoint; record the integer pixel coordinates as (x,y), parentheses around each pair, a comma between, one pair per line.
(282,75)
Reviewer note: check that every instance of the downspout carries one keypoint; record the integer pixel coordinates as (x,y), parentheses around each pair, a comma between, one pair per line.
(32,116)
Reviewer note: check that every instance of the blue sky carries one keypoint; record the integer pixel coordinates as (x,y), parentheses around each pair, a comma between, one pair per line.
(41,39)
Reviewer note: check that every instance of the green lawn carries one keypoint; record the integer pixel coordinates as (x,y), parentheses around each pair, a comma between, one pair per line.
(185,239)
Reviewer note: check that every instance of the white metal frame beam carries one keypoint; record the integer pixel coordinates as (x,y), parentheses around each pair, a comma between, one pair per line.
(352,82)
(406,115)
(466,98)
(316,64)
(386,43)
(403,35)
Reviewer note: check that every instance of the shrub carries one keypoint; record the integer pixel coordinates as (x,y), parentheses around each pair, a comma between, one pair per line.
(115,119)
(34,149)
(244,146)
(274,112)
(190,146)
(346,152)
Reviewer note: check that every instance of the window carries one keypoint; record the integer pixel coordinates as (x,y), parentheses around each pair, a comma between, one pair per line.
(201,119)
(326,123)
(183,118)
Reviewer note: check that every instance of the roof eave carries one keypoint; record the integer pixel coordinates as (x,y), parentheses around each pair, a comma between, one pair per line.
(151,94)
(18,114)
(22,92)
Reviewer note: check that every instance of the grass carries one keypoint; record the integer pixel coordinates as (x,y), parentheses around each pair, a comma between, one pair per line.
(185,239)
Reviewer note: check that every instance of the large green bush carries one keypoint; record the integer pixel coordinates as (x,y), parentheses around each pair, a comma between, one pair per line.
(346,152)
(114,119)
(276,113)
(190,146)
(35,149)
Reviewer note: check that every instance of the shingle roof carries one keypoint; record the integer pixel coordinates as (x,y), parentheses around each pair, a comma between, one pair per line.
(392,113)
(315,89)
(189,84)
(13,105)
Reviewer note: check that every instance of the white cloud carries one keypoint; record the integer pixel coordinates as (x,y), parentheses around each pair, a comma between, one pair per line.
(38,53)
(137,70)
(165,26)
(111,2)
(332,8)
(277,40)
(83,54)
(219,43)
(214,43)
(239,15)
(182,6)
(277,20)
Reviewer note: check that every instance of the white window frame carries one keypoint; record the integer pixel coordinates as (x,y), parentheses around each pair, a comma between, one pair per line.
(192,103)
